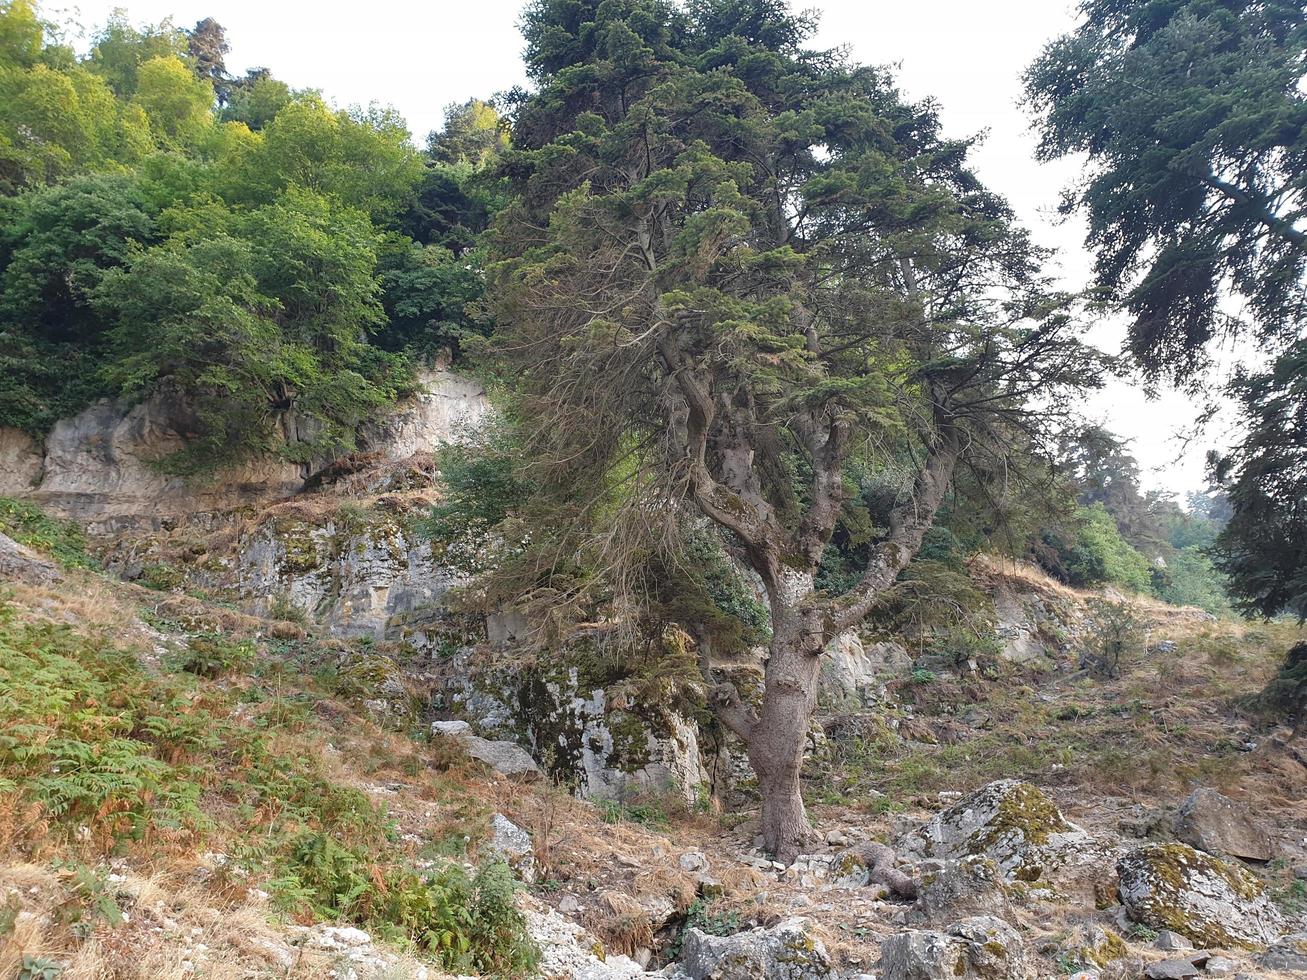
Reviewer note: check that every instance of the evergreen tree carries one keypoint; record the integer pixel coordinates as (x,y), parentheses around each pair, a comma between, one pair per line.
(737,267)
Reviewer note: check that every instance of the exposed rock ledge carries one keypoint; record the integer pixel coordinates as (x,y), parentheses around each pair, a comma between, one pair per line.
(95,466)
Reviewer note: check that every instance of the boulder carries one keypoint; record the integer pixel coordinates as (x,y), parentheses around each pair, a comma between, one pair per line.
(513,844)
(971,886)
(1288,954)
(1176,969)
(787,951)
(1204,899)
(505,758)
(22,563)
(1018,828)
(981,947)
(1216,824)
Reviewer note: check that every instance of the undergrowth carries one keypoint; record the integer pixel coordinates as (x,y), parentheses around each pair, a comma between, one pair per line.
(62,540)
(100,754)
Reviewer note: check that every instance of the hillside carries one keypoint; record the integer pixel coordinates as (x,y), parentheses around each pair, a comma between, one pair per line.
(225,763)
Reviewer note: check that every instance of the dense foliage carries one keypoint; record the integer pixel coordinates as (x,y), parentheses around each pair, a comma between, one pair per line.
(1193,116)
(273,260)
(97,748)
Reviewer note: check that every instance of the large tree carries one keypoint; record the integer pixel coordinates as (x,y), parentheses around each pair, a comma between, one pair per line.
(1192,115)
(736,267)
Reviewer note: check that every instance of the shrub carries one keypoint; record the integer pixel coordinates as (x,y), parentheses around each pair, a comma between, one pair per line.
(1117,630)
(28,525)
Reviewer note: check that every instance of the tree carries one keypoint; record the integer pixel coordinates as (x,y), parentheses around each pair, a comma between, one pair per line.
(255,99)
(471,134)
(736,268)
(121,49)
(178,105)
(207,45)
(1192,114)
(259,318)
(1263,547)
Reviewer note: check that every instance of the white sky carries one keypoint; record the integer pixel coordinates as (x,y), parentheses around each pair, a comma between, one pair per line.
(969,55)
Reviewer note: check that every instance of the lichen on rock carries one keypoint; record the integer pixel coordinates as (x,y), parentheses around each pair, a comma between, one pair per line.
(1206,900)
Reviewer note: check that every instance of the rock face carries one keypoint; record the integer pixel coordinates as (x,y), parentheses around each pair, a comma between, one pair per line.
(607,745)
(1216,824)
(851,670)
(22,563)
(98,467)
(1018,828)
(978,947)
(785,952)
(1204,899)
(357,576)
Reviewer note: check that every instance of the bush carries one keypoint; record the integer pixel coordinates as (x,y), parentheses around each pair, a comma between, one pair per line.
(1096,553)
(28,525)
(1118,629)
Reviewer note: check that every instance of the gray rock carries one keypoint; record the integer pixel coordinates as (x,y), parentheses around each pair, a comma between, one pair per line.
(1220,966)
(971,886)
(787,951)
(1169,940)
(1206,900)
(1171,970)
(19,562)
(1288,953)
(692,861)
(1021,830)
(851,669)
(505,758)
(513,844)
(981,948)
(1216,824)
(451,728)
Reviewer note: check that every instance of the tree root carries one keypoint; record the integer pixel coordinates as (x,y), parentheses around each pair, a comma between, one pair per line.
(879,862)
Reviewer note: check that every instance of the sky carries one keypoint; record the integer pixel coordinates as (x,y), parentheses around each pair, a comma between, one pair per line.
(967,55)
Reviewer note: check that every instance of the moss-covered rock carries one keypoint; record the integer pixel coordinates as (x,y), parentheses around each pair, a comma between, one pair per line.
(978,948)
(1021,830)
(1206,900)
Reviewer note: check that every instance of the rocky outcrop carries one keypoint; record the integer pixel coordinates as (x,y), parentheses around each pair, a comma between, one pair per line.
(787,951)
(20,563)
(1018,828)
(100,466)
(587,734)
(568,952)
(853,670)
(982,947)
(356,573)
(1208,901)
(1218,825)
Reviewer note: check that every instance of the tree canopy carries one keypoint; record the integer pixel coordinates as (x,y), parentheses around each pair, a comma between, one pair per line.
(735,272)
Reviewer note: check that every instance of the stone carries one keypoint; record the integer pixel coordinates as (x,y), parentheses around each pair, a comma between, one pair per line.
(692,861)
(1169,940)
(453,728)
(567,951)
(1021,830)
(981,947)
(1218,825)
(1220,966)
(851,669)
(1288,953)
(505,758)
(19,562)
(970,886)
(1093,946)
(513,844)
(1171,970)
(1208,901)
(787,951)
